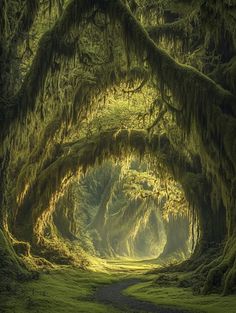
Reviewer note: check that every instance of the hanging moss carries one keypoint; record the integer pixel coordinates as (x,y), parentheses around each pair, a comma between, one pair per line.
(79,156)
(174,32)
(201,103)
(28,16)
(51,44)
(204,111)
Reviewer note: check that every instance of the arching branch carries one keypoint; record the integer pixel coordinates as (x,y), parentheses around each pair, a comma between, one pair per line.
(50,46)
(80,155)
(175,30)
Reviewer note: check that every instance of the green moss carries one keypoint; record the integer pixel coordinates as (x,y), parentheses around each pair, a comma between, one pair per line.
(11,266)
(62,290)
(81,155)
(175,32)
(203,110)
(182,298)
(222,271)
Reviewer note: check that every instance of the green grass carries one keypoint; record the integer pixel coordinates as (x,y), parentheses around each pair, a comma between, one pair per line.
(127,266)
(63,290)
(70,290)
(182,298)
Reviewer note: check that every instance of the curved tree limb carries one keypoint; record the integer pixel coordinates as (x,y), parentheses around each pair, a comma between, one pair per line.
(80,155)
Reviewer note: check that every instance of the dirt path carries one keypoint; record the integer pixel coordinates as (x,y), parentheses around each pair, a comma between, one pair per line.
(112,294)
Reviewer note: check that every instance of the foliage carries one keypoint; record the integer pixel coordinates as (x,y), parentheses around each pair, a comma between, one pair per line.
(60,115)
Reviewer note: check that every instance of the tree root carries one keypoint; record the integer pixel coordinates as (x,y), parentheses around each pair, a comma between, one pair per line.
(222,271)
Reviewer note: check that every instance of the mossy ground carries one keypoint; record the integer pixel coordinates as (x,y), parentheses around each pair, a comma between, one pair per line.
(68,289)
(64,289)
(182,298)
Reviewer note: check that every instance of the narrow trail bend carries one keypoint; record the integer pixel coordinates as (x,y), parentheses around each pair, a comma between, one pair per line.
(112,294)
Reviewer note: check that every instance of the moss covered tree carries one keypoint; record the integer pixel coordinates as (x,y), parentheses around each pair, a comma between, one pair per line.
(170,65)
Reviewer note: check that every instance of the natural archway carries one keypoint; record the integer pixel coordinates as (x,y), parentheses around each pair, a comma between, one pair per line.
(85,83)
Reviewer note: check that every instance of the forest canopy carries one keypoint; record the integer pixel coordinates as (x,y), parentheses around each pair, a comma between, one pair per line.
(119,112)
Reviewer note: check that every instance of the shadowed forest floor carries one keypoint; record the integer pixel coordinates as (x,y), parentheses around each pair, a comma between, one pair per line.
(68,289)
(113,294)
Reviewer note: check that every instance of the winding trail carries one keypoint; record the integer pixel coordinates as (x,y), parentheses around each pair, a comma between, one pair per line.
(112,294)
